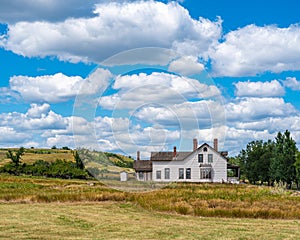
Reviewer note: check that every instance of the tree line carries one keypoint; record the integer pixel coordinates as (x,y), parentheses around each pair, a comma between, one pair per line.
(57,169)
(271,161)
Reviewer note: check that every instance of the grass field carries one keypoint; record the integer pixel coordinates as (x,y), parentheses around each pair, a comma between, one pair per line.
(111,220)
(209,200)
(41,208)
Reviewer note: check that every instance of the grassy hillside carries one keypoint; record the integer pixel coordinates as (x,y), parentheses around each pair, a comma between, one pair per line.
(32,155)
(92,159)
(106,166)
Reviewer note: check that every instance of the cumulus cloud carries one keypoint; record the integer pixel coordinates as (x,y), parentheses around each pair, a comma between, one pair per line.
(187,65)
(38,117)
(59,87)
(259,89)
(292,83)
(8,136)
(117,27)
(273,124)
(50,10)
(251,50)
(187,115)
(246,109)
(161,88)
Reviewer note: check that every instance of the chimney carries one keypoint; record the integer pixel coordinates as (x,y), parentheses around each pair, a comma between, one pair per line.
(138,155)
(216,144)
(195,144)
(174,152)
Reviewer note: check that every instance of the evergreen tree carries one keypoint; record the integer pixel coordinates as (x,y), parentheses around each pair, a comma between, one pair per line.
(297,169)
(79,163)
(252,163)
(283,163)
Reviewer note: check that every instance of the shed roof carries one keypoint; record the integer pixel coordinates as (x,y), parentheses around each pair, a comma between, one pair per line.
(142,165)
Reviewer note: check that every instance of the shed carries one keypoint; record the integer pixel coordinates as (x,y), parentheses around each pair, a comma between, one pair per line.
(123,176)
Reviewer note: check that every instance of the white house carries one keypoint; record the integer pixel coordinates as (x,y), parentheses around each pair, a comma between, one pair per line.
(203,164)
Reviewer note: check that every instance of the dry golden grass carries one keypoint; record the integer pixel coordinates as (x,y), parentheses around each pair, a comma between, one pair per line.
(32,155)
(110,220)
(208,200)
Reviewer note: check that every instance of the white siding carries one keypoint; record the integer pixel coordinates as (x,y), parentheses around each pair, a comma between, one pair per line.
(219,167)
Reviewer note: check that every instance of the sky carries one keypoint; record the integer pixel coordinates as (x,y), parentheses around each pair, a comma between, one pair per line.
(122,76)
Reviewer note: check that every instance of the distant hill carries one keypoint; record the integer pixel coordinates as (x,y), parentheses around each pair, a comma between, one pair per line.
(105,165)
(94,160)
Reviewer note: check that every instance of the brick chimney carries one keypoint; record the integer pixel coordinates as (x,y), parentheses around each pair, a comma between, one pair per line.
(174,155)
(216,144)
(195,144)
(138,155)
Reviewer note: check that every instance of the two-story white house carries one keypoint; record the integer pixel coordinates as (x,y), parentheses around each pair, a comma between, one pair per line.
(203,164)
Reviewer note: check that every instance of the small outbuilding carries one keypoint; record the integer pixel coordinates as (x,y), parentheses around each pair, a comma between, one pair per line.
(123,176)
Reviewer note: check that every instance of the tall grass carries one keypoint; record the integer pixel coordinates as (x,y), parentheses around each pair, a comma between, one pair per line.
(209,200)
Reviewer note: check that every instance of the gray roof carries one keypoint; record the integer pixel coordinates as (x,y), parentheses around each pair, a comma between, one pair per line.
(168,156)
(142,165)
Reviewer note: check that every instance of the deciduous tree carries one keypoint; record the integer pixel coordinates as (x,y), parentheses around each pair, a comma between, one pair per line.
(15,157)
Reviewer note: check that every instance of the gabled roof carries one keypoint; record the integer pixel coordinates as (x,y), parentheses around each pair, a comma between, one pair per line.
(223,154)
(168,156)
(142,165)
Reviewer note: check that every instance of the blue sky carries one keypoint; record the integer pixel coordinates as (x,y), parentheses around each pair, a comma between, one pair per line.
(147,75)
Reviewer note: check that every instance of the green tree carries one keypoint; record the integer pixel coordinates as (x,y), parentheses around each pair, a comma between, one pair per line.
(255,161)
(297,169)
(15,157)
(282,166)
(79,163)
(250,160)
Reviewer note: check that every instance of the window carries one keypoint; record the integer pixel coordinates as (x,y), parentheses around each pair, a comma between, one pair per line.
(205,149)
(167,173)
(188,173)
(141,175)
(205,173)
(181,173)
(158,174)
(200,158)
(210,158)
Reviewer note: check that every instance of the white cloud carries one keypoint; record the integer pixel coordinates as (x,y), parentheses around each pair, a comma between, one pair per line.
(59,87)
(161,88)
(117,27)
(246,109)
(9,137)
(38,117)
(51,10)
(273,124)
(187,115)
(8,96)
(259,89)
(37,111)
(292,83)
(187,65)
(252,49)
